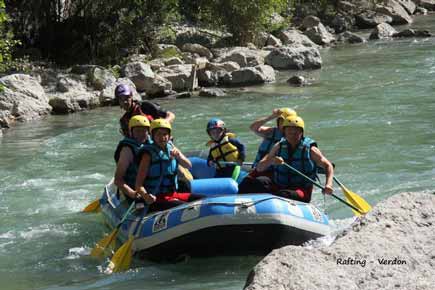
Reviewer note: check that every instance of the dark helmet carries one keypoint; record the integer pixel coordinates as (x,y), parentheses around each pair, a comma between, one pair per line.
(215,123)
(123,90)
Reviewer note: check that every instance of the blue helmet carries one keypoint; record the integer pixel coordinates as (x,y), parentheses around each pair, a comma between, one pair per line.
(215,123)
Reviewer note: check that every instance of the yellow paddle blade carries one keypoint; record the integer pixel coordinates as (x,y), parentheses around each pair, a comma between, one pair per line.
(356,200)
(93,206)
(121,260)
(106,242)
(184,173)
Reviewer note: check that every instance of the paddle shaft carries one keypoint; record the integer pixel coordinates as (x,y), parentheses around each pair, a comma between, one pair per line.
(321,187)
(126,214)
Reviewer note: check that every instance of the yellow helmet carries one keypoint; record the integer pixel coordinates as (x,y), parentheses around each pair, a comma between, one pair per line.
(161,123)
(294,121)
(286,112)
(138,121)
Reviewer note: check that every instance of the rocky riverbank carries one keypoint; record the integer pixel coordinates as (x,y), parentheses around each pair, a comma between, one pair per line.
(392,247)
(195,59)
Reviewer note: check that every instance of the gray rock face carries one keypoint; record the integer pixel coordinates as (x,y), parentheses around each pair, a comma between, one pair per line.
(391,248)
(396,11)
(294,58)
(197,48)
(73,101)
(250,75)
(101,78)
(382,31)
(319,35)
(243,56)
(140,74)
(293,37)
(350,37)
(180,76)
(408,5)
(369,19)
(428,4)
(22,98)
(211,92)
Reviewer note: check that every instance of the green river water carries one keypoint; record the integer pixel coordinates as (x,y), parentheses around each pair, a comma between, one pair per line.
(371,108)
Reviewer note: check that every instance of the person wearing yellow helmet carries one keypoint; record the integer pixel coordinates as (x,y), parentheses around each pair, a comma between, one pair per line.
(157,181)
(301,153)
(126,153)
(270,135)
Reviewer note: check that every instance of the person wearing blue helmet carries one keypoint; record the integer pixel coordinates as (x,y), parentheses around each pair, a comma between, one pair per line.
(227,153)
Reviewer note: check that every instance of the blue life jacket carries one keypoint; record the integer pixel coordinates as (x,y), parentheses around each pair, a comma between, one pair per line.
(300,159)
(130,174)
(162,173)
(266,145)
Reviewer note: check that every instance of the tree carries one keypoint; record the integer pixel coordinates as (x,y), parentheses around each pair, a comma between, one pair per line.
(7,42)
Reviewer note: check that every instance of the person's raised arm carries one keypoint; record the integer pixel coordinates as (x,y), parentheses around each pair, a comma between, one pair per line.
(182,160)
(170,116)
(258,125)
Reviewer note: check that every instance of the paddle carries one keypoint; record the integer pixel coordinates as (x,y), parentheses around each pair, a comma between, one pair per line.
(93,206)
(121,260)
(110,240)
(354,198)
(357,211)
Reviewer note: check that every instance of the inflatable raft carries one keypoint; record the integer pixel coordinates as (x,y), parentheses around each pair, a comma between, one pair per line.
(223,223)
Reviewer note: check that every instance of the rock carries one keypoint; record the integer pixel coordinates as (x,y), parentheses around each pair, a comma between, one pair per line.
(370,19)
(319,35)
(250,76)
(341,23)
(428,4)
(211,92)
(84,69)
(182,95)
(293,37)
(139,73)
(420,10)
(413,33)
(294,58)
(396,11)
(198,49)
(182,77)
(298,81)
(350,37)
(273,41)
(390,248)
(68,83)
(167,50)
(73,101)
(22,98)
(241,55)
(382,31)
(173,61)
(408,5)
(310,21)
(346,7)
(204,37)
(101,78)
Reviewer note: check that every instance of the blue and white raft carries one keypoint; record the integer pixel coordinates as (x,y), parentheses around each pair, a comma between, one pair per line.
(224,224)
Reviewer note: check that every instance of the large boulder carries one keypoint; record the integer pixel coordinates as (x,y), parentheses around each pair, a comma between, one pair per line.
(350,37)
(250,76)
(428,4)
(74,101)
(370,19)
(244,56)
(294,57)
(382,31)
(391,247)
(22,98)
(396,11)
(139,73)
(293,37)
(408,5)
(198,49)
(182,77)
(100,78)
(319,35)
